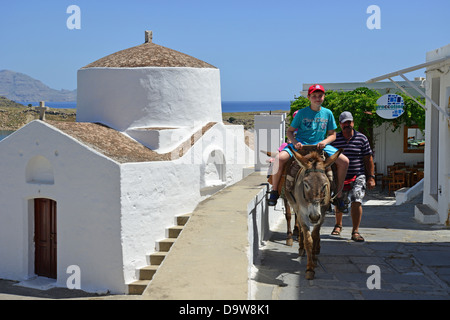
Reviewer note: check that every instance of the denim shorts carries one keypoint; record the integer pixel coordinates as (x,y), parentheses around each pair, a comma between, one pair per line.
(329,149)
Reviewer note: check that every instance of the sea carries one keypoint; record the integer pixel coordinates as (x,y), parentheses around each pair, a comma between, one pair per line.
(249,106)
(4,134)
(227,106)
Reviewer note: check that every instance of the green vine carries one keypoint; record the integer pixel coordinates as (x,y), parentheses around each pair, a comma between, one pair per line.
(361,102)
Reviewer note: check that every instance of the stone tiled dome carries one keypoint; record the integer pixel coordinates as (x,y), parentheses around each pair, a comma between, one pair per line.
(148,54)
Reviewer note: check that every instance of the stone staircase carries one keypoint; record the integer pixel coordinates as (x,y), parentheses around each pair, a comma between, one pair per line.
(162,249)
(425,214)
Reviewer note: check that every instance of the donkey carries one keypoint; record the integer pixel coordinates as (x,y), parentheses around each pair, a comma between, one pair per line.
(310,198)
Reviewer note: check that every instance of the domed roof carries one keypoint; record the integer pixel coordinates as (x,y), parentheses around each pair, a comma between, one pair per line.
(148,54)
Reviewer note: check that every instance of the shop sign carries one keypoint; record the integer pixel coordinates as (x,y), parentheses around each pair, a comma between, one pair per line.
(390,106)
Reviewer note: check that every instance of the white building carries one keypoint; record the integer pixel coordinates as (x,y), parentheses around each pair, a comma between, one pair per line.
(148,145)
(436,185)
(270,131)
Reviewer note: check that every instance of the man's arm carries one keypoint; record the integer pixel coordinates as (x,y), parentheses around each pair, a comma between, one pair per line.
(370,171)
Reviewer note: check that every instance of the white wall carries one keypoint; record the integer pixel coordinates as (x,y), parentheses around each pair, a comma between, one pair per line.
(437,186)
(124,98)
(262,219)
(270,133)
(153,193)
(88,209)
(389,148)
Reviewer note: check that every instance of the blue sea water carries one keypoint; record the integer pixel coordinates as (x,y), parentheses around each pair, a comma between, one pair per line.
(4,134)
(227,106)
(247,106)
(59,105)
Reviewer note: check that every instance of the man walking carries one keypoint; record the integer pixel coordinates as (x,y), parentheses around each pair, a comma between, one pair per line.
(357,149)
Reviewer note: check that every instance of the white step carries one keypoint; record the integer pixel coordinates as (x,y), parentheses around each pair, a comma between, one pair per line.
(425,214)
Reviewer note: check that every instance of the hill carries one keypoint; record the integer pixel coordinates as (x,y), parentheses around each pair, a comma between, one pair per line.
(14,115)
(21,87)
(6,103)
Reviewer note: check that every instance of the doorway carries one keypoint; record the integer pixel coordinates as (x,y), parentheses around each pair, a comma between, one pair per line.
(45,238)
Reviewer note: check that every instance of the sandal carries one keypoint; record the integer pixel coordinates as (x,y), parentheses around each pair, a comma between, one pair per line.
(357,237)
(335,232)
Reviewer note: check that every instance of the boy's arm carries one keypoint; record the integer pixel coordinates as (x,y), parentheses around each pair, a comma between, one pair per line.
(329,139)
(290,135)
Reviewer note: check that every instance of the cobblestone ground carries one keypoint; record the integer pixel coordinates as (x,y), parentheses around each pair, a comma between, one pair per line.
(412,260)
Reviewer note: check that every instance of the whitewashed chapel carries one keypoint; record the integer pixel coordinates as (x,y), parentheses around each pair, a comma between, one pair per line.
(148,144)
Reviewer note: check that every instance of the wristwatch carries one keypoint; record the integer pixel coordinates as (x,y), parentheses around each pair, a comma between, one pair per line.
(371,176)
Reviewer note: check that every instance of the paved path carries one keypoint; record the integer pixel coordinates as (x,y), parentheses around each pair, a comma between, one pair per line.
(413,259)
(209,260)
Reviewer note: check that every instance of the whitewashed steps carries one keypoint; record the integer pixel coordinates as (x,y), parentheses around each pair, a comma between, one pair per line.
(162,250)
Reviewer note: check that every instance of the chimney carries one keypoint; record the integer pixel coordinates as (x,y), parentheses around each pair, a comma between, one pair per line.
(148,36)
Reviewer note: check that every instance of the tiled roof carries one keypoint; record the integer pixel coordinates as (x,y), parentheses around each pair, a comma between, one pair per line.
(118,146)
(148,55)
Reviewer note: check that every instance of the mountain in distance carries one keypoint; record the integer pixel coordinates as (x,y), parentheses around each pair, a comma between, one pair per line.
(17,86)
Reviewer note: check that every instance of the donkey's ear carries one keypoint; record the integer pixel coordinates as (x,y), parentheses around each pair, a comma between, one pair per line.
(302,161)
(330,160)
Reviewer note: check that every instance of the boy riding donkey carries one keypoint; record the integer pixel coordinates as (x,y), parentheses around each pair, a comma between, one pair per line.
(315,125)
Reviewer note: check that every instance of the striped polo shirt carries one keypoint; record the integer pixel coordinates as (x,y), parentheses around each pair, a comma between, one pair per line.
(355,149)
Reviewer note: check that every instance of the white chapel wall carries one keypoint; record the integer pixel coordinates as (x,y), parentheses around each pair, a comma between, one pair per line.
(124,98)
(86,191)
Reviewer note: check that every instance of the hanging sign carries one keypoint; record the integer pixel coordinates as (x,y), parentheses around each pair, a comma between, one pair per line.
(390,106)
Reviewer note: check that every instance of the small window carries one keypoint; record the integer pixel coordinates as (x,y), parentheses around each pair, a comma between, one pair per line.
(414,140)
(39,170)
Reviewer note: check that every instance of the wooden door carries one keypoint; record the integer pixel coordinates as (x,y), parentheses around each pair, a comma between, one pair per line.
(45,238)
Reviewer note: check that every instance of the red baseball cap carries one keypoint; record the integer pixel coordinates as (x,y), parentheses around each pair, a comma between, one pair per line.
(315,87)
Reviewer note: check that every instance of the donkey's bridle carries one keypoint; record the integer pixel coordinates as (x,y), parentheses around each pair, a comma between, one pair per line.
(309,171)
(314,170)
(321,171)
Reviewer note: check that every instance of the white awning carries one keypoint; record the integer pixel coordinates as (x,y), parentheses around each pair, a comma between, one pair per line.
(410,69)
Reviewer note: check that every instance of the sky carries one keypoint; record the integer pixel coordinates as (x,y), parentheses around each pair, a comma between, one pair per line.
(265,50)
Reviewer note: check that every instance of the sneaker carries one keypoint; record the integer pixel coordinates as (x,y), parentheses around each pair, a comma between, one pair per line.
(273,198)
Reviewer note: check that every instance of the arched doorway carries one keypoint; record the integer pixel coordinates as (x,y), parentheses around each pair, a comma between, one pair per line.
(215,168)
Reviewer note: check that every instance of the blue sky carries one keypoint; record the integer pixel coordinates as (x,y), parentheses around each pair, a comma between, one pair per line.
(265,50)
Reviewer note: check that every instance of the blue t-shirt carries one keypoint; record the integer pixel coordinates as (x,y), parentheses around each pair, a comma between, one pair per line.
(313,126)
